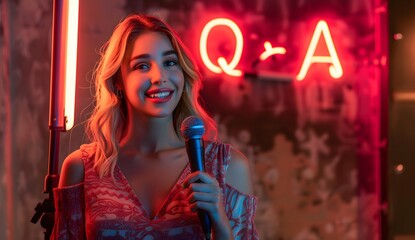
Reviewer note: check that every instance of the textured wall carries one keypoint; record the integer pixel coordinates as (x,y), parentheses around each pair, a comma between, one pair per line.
(25,80)
(312,146)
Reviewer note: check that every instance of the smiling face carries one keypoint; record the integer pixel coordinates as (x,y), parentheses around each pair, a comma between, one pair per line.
(152,78)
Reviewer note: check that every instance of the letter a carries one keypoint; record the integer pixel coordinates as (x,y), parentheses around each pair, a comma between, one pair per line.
(335,69)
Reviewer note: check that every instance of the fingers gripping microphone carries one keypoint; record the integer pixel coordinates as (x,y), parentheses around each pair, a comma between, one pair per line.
(192,130)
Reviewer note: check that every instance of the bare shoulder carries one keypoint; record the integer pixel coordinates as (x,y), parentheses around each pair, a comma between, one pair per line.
(238,174)
(72,171)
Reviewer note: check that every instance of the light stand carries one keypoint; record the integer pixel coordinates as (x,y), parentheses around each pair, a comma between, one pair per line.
(62,96)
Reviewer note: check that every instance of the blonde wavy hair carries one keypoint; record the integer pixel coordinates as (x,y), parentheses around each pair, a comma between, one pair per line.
(107,123)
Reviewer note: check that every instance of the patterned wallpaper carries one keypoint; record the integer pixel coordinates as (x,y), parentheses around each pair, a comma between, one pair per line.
(311,146)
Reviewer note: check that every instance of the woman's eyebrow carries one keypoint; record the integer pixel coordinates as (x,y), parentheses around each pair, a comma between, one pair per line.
(140,56)
(169,52)
(146,55)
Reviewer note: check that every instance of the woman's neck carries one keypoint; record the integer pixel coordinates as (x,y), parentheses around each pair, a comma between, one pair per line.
(149,135)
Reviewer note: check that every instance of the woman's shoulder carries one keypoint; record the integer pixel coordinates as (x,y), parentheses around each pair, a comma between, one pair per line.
(238,170)
(73,168)
(216,146)
(235,166)
(88,149)
(226,151)
(239,174)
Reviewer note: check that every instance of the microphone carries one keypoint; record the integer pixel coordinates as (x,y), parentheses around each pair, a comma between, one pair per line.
(192,130)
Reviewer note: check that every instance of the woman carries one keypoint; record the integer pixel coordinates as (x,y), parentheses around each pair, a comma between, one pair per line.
(133,181)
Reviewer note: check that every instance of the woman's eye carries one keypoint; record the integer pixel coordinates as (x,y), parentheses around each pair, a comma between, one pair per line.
(141,66)
(170,63)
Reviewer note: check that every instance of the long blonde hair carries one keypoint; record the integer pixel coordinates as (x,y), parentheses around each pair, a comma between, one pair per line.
(107,122)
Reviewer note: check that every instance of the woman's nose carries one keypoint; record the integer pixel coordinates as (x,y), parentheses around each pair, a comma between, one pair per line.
(157,75)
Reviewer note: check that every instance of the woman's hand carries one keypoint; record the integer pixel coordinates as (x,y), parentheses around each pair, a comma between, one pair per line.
(204,193)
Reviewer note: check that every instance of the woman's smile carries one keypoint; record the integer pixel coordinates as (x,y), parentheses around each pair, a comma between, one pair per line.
(161,95)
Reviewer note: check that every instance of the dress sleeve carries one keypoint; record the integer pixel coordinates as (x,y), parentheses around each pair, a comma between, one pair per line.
(69,215)
(240,209)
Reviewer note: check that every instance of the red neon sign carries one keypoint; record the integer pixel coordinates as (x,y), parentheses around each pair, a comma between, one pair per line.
(228,68)
(335,70)
(322,29)
(269,51)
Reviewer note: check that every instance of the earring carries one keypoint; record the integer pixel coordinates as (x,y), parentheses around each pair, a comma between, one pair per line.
(119,94)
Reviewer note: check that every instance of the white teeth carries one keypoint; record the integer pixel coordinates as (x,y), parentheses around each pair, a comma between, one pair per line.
(159,95)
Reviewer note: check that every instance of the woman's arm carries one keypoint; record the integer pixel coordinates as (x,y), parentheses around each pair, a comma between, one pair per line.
(239,172)
(72,172)
(240,204)
(69,200)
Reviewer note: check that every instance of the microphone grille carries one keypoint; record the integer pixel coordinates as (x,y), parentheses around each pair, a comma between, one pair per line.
(192,127)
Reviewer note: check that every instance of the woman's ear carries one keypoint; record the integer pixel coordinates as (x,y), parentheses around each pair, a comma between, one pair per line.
(117,80)
(119,86)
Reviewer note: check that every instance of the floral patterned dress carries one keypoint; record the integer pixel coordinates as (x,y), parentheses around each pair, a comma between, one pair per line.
(101,208)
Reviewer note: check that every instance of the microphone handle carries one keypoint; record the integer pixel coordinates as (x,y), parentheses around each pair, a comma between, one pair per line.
(205,222)
(196,154)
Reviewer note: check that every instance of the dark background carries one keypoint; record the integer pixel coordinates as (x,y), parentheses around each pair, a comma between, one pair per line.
(402,118)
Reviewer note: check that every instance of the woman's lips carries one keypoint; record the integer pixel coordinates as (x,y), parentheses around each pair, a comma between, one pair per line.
(159,95)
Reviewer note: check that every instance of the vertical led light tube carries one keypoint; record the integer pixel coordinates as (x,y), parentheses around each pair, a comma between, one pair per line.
(63,69)
(72,7)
